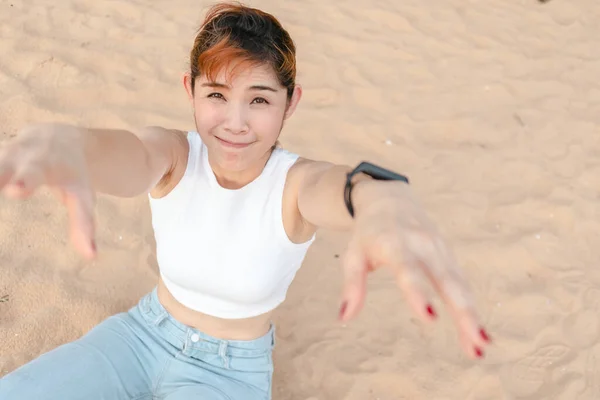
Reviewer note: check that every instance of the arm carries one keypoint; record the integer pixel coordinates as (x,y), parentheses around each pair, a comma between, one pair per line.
(321,194)
(77,162)
(391,230)
(127,164)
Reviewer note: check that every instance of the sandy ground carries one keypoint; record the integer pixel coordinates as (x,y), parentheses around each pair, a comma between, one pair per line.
(491,107)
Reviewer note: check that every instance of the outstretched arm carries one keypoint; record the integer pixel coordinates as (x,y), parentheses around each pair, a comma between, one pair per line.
(389,229)
(320,194)
(127,164)
(78,162)
(320,199)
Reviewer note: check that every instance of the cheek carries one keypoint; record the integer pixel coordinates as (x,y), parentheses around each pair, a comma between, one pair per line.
(207,116)
(266,123)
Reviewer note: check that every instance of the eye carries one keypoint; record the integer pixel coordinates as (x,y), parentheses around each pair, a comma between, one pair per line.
(216,95)
(260,100)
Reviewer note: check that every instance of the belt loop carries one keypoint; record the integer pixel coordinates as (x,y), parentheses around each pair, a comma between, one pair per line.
(145,303)
(223,353)
(160,318)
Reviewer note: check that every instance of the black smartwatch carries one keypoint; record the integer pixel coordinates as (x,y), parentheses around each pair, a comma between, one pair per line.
(373,171)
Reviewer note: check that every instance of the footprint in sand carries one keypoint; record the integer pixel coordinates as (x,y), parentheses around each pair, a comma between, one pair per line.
(528,376)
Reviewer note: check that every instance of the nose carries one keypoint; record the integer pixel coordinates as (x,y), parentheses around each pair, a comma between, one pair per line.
(236,119)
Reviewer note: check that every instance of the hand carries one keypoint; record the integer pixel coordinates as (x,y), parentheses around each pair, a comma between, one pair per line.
(391,230)
(52,155)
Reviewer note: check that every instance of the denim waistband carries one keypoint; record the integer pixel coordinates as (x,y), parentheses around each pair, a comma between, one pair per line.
(193,341)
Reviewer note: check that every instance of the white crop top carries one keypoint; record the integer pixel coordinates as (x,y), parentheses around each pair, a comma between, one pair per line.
(225,252)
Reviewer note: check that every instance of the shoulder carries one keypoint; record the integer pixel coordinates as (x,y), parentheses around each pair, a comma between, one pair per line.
(306,170)
(164,142)
(173,144)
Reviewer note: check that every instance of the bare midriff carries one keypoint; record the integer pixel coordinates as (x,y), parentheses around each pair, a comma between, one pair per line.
(226,329)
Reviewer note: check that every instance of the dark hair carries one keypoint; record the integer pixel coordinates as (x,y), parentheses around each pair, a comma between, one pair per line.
(234,33)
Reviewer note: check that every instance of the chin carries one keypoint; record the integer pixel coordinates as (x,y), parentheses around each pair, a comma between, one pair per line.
(233,160)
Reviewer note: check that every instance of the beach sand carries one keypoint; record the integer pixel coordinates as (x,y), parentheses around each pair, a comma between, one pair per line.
(490,107)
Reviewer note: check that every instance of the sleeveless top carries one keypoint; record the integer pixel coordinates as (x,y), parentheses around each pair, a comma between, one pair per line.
(225,252)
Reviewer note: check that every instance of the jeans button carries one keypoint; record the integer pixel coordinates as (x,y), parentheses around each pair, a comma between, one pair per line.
(195,337)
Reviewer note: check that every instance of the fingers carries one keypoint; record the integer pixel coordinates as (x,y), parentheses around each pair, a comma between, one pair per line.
(78,199)
(25,181)
(412,282)
(438,264)
(33,160)
(20,175)
(355,271)
(456,295)
(80,207)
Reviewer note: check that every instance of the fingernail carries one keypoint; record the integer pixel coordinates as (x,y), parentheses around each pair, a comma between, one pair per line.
(484,335)
(431,311)
(343,309)
(478,352)
(93,246)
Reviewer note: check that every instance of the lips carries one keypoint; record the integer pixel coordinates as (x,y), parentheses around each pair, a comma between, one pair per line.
(232,144)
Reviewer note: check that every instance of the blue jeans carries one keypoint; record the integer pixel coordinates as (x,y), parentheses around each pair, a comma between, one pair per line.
(146,354)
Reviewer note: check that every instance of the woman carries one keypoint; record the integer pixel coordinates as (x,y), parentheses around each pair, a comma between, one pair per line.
(233,216)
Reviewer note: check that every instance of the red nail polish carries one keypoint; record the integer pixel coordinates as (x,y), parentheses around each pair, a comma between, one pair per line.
(478,352)
(343,309)
(484,335)
(431,311)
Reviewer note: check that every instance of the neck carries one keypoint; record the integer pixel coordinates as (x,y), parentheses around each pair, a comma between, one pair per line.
(238,179)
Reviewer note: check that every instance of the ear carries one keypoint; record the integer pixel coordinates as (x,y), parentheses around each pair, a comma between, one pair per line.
(293,101)
(187,84)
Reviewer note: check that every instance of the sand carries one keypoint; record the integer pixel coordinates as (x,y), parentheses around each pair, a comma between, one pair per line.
(491,107)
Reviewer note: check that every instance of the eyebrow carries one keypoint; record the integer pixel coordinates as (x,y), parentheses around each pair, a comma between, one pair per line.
(224,86)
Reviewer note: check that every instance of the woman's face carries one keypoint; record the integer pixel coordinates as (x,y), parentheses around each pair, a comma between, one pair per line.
(240,120)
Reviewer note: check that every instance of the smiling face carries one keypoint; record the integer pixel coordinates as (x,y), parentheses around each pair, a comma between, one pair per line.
(240,119)
(242,87)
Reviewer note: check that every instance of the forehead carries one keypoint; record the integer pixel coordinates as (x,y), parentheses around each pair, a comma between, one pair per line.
(243,75)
